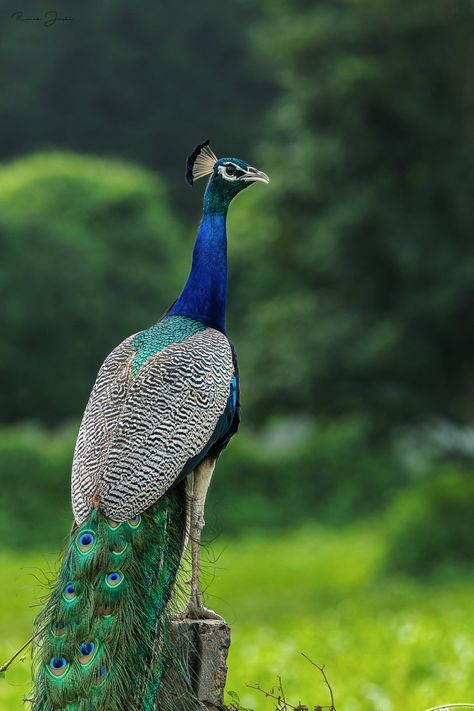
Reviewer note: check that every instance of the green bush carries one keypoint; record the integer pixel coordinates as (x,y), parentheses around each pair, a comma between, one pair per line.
(281,477)
(89,255)
(142,85)
(348,248)
(35,468)
(431,526)
(330,473)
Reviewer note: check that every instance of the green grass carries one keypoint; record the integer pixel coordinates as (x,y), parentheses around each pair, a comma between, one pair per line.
(387,643)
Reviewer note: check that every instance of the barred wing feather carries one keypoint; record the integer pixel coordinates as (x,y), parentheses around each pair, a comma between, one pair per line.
(99,423)
(137,435)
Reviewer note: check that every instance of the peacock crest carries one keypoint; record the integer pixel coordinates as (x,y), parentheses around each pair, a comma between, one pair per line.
(200,163)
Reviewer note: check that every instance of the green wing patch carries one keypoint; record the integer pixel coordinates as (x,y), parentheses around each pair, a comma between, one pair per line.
(174,329)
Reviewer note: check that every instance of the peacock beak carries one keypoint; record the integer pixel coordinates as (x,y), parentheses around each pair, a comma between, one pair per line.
(252,175)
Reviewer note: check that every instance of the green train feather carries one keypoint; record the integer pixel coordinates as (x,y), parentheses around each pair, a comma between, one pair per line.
(104,628)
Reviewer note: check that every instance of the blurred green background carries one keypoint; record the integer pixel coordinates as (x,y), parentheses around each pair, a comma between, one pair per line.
(341,519)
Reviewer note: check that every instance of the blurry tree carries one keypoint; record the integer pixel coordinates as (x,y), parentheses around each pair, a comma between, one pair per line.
(362,288)
(431,526)
(35,508)
(90,254)
(329,473)
(144,82)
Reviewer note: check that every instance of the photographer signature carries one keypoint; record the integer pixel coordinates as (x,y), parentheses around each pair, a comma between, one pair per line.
(48,19)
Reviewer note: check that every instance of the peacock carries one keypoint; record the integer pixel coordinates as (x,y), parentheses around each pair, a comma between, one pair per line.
(164,405)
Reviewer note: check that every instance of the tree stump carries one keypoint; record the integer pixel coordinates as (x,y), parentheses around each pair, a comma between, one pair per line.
(202,646)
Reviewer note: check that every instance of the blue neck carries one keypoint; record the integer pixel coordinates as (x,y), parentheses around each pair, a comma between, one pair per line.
(205,293)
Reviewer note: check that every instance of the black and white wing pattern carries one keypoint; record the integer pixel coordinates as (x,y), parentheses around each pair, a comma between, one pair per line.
(98,427)
(139,431)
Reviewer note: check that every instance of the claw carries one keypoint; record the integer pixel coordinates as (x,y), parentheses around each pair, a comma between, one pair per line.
(200,613)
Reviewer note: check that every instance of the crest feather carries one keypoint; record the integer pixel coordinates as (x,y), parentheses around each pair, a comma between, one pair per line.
(200,163)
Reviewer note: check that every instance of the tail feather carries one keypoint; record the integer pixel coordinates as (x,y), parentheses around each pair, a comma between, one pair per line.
(102,645)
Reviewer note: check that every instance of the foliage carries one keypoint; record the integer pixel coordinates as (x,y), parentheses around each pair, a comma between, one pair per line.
(432,525)
(142,82)
(363,280)
(234,699)
(90,254)
(281,478)
(35,510)
(315,591)
(274,480)
(278,478)
(340,301)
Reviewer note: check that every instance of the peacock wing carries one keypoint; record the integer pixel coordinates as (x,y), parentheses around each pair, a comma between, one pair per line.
(98,426)
(170,414)
(165,418)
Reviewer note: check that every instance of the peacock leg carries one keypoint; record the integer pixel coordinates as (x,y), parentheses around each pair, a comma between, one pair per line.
(201,479)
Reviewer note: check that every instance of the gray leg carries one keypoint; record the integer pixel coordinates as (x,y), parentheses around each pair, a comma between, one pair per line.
(201,479)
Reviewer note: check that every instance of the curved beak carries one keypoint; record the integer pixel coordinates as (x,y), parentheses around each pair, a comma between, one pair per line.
(252,175)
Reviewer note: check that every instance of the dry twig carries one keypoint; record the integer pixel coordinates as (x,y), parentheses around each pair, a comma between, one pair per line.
(283,704)
(321,669)
(5,666)
(270,695)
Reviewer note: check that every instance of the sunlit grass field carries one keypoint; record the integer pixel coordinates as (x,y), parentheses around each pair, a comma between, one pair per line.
(387,643)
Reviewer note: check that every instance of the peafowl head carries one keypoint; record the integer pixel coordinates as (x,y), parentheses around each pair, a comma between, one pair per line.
(228,176)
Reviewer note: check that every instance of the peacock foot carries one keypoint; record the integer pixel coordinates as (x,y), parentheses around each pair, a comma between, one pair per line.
(193,612)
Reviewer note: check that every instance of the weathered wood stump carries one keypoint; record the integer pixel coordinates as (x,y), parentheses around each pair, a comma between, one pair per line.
(202,647)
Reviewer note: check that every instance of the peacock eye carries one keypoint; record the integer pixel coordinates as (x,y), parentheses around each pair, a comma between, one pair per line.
(113,579)
(58,666)
(58,629)
(230,169)
(86,652)
(69,592)
(85,541)
(119,546)
(86,648)
(135,521)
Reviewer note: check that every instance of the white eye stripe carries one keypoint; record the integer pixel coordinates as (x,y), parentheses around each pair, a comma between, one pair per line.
(222,170)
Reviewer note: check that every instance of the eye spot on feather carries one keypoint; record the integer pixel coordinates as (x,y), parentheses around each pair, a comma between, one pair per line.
(58,666)
(58,629)
(87,652)
(135,521)
(119,546)
(113,580)
(69,592)
(85,541)
(113,524)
